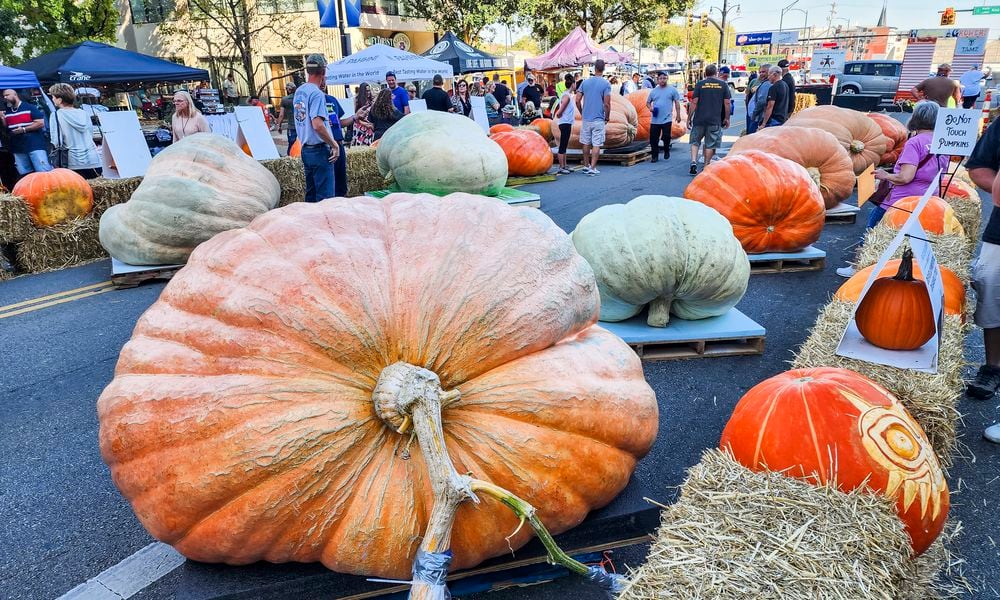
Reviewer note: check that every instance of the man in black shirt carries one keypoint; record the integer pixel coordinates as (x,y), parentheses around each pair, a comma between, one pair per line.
(436,98)
(532,92)
(501,92)
(708,115)
(789,80)
(776,111)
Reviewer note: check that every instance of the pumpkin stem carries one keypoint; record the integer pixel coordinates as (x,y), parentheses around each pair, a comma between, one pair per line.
(659,312)
(905,272)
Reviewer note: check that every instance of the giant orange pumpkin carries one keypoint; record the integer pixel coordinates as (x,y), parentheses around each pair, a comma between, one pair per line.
(895,132)
(296,149)
(528,154)
(819,152)
(834,426)
(678,128)
(896,313)
(55,196)
(240,423)
(501,127)
(771,202)
(643,115)
(855,131)
(619,131)
(544,127)
(938,217)
(954,291)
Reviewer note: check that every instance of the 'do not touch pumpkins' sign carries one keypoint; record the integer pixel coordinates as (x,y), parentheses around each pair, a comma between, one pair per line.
(242,422)
(830,425)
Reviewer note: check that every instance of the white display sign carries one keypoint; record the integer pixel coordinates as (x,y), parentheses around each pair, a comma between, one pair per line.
(955,131)
(785,37)
(828,62)
(254,132)
(418,105)
(479,112)
(970,46)
(124,152)
(925,358)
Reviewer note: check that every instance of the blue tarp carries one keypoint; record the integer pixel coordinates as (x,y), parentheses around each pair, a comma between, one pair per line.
(94,63)
(17,79)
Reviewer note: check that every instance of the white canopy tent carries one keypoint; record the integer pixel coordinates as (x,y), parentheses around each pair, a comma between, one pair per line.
(372,63)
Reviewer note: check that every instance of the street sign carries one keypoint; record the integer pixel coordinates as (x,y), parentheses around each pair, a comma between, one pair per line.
(986,10)
(828,62)
(760,38)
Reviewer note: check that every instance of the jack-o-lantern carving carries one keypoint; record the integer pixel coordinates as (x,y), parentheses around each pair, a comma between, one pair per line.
(831,425)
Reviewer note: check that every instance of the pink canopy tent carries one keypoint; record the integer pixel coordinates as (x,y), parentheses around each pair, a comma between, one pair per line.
(575,50)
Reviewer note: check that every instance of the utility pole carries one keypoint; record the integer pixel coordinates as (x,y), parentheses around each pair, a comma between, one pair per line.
(722,28)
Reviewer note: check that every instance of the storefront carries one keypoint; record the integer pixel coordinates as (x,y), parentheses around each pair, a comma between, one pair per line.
(409,41)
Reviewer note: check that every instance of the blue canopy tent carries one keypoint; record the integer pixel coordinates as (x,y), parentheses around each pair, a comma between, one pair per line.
(93,63)
(17,79)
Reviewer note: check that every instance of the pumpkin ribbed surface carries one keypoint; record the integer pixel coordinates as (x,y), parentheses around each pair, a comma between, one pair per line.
(895,132)
(643,115)
(896,312)
(240,423)
(771,202)
(860,135)
(619,131)
(938,217)
(830,425)
(954,290)
(544,127)
(827,162)
(528,154)
(55,196)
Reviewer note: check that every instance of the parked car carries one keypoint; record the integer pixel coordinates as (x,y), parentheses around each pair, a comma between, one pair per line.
(738,80)
(870,77)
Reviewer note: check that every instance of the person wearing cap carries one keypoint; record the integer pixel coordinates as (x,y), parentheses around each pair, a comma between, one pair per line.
(789,80)
(285,111)
(724,73)
(708,115)
(663,101)
(400,97)
(631,85)
(971,88)
(319,148)
(531,93)
(940,88)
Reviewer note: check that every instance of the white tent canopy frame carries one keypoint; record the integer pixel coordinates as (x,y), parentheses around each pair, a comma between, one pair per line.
(372,63)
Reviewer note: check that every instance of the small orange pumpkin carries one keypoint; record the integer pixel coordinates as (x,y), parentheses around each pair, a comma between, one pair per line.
(528,154)
(954,290)
(896,312)
(296,149)
(544,127)
(499,127)
(55,196)
(937,217)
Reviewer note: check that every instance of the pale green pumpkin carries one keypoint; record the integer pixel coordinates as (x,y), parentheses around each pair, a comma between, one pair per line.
(200,186)
(440,153)
(673,254)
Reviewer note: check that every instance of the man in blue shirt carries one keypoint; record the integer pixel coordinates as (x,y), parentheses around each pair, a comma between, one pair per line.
(400,99)
(662,101)
(337,124)
(593,100)
(28,143)
(319,148)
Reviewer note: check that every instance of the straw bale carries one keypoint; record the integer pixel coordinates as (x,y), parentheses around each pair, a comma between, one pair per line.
(804,101)
(109,192)
(937,573)
(362,171)
(952,251)
(931,398)
(15,224)
(969,214)
(291,176)
(736,534)
(61,246)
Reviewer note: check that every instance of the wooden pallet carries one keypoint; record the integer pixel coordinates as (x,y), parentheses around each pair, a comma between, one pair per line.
(844,219)
(124,276)
(808,259)
(699,349)
(732,334)
(625,159)
(517,181)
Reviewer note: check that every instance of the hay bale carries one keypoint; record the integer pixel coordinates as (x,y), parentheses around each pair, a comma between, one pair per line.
(362,171)
(931,398)
(65,245)
(804,101)
(109,192)
(937,573)
(15,224)
(736,534)
(291,176)
(952,251)
(969,214)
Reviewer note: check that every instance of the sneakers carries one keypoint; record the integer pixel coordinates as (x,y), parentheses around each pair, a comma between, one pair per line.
(564,171)
(654,159)
(992,433)
(985,384)
(694,169)
(593,172)
(847,271)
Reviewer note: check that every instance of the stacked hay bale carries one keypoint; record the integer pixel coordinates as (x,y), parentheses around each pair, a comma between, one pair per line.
(362,171)
(15,224)
(291,176)
(109,192)
(804,101)
(50,248)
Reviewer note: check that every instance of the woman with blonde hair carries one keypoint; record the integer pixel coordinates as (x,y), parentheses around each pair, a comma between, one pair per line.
(71,129)
(187,119)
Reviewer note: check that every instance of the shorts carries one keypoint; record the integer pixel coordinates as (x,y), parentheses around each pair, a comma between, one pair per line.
(986,282)
(592,133)
(711,134)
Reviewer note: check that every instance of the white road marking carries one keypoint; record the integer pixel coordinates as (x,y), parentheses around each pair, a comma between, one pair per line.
(130,576)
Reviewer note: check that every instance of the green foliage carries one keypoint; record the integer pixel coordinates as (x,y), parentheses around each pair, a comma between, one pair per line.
(704,41)
(30,28)
(527,44)
(601,19)
(466,18)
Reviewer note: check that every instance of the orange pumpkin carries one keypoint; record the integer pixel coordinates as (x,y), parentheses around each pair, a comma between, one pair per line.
(954,290)
(619,131)
(241,422)
(55,196)
(857,133)
(834,426)
(638,101)
(528,154)
(960,190)
(771,202)
(937,217)
(499,127)
(678,128)
(544,127)
(895,132)
(896,312)
(296,149)
(375,143)
(819,152)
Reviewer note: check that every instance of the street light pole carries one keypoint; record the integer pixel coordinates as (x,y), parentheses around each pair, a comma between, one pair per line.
(781,22)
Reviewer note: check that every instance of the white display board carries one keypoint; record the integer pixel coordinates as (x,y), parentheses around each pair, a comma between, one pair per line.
(970,46)
(925,358)
(254,132)
(124,152)
(479,112)
(828,62)
(956,131)
(418,105)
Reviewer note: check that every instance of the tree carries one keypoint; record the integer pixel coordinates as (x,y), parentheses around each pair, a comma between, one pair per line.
(601,19)
(703,43)
(34,27)
(527,44)
(465,18)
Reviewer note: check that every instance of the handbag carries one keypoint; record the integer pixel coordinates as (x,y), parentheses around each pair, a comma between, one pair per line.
(59,154)
(884,187)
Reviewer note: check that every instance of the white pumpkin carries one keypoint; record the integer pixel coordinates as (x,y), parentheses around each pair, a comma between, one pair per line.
(673,254)
(200,186)
(441,153)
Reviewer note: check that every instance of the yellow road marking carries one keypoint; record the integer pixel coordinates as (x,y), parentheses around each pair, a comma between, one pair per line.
(56,295)
(34,307)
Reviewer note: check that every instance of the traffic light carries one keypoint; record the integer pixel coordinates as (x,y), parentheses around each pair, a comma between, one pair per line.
(948,16)
(690,20)
(704,19)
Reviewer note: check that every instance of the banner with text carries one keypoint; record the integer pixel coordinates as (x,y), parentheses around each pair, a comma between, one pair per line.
(759,38)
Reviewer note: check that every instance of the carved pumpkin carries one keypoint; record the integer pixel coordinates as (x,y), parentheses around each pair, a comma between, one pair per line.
(619,131)
(441,153)
(860,135)
(771,202)
(528,154)
(544,127)
(678,128)
(960,190)
(55,196)
(954,291)
(828,164)
(296,149)
(896,134)
(499,127)
(938,217)
(896,312)
(240,423)
(834,426)
(643,115)
(677,256)
(192,190)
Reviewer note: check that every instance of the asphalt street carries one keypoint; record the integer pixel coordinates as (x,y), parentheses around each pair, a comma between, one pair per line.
(62,521)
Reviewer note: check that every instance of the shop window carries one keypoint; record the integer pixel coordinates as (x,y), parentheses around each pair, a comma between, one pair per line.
(274,7)
(383,7)
(151,11)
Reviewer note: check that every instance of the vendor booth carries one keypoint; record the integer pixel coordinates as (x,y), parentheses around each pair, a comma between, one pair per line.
(463,58)
(18,80)
(575,50)
(372,63)
(94,63)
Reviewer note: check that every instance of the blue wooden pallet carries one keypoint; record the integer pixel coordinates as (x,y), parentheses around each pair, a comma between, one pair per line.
(509,195)
(809,258)
(732,334)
